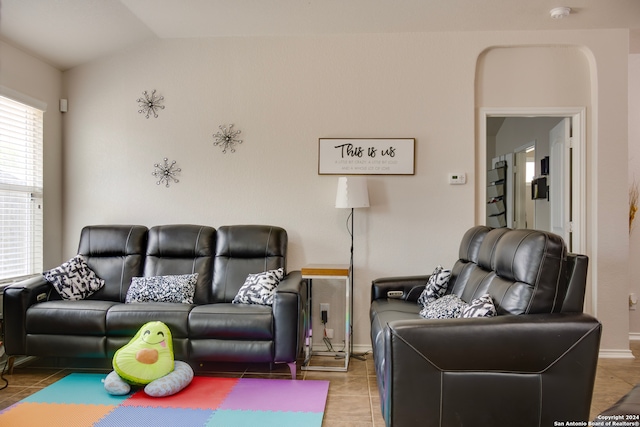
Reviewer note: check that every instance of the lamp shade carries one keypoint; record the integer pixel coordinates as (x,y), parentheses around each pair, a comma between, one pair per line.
(352,192)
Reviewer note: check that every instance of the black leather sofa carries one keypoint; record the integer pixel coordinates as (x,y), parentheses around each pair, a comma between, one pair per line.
(212,329)
(531,365)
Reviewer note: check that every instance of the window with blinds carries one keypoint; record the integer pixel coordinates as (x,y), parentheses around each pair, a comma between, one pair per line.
(20,190)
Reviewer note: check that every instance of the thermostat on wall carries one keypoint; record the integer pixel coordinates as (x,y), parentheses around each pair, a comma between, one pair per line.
(457,178)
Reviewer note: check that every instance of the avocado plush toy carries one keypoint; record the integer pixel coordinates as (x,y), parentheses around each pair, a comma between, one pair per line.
(147,360)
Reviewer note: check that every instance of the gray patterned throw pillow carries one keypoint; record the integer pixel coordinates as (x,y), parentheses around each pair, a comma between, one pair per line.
(177,288)
(480,307)
(448,307)
(436,286)
(259,288)
(74,280)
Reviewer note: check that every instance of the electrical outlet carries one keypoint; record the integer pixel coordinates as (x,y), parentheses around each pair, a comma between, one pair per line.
(330,333)
(324,307)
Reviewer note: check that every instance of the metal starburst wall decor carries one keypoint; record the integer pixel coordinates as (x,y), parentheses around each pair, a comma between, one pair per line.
(227,138)
(166,172)
(150,104)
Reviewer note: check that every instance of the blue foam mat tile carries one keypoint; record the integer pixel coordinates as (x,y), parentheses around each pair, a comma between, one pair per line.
(233,418)
(77,388)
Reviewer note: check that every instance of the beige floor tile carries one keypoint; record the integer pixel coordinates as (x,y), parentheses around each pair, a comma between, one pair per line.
(347,410)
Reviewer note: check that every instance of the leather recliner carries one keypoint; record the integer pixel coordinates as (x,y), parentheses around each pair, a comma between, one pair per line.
(39,323)
(531,365)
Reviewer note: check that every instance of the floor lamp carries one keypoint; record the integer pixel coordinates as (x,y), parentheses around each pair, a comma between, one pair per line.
(352,193)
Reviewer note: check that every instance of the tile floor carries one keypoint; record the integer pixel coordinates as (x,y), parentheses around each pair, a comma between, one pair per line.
(353,396)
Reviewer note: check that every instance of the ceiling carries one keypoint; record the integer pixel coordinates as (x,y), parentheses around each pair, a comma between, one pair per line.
(66,33)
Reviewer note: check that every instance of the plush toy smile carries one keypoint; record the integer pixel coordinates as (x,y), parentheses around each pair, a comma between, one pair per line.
(146,337)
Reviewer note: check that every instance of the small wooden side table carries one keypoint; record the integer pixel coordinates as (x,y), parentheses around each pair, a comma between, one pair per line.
(327,271)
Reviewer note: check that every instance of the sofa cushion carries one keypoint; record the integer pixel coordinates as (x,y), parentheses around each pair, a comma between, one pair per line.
(259,288)
(116,254)
(179,289)
(231,321)
(74,280)
(522,270)
(242,250)
(124,320)
(86,317)
(178,249)
(533,263)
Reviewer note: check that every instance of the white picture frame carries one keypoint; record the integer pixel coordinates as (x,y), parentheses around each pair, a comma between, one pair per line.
(366,156)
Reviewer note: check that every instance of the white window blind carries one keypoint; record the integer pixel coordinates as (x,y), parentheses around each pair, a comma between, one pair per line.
(21,161)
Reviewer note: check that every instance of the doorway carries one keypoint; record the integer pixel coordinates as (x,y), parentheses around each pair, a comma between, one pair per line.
(524,212)
(567,191)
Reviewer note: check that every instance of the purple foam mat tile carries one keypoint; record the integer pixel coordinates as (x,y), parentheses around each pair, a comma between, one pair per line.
(277,395)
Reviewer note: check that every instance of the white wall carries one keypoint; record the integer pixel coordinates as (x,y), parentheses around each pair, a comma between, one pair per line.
(29,76)
(286,92)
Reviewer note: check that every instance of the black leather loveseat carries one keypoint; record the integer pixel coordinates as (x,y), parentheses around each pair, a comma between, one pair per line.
(39,323)
(533,364)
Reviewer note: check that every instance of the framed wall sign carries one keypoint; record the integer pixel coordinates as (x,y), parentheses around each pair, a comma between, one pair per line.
(366,156)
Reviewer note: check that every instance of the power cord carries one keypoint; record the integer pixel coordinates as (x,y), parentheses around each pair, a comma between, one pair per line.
(327,341)
(325,338)
(4,368)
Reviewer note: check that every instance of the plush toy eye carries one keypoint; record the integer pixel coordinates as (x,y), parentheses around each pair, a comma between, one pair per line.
(147,332)
(161,333)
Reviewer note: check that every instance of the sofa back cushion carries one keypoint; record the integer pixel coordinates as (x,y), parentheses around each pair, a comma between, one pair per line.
(467,263)
(182,249)
(116,254)
(522,270)
(242,250)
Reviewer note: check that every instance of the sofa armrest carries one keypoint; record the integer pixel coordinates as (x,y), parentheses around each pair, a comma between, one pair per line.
(410,286)
(288,306)
(17,298)
(494,367)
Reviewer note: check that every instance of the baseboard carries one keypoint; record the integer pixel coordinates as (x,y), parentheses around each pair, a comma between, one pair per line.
(361,349)
(615,354)
(357,348)
(634,336)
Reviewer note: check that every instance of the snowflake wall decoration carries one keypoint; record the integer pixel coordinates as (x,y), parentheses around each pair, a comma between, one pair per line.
(150,104)
(166,172)
(227,138)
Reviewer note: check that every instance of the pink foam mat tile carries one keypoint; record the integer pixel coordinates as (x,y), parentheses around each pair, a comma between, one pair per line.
(202,393)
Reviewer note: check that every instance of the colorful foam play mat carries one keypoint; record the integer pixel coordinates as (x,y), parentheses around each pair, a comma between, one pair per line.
(80,399)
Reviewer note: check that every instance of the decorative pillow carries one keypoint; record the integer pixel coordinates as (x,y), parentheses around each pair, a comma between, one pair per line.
(448,307)
(74,280)
(171,383)
(480,307)
(179,288)
(436,286)
(259,288)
